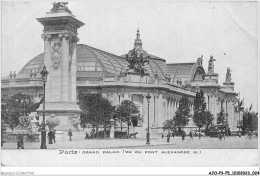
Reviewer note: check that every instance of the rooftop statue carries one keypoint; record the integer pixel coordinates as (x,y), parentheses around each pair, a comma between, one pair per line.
(137,57)
(211,64)
(60,6)
(200,60)
(137,61)
(228,75)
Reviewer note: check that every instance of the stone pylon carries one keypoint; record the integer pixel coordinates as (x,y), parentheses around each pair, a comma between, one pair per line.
(60,39)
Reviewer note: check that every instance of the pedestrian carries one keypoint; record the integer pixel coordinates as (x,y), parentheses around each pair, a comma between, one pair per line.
(183,136)
(224,134)
(162,135)
(50,137)
(86,137)
(168,137)
(191,137)
(20,142)
(173,135)
(70,134)
(53,135)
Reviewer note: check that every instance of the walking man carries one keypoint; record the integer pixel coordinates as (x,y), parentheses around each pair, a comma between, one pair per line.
(168,137)
(50,137)
(191,137)
(183,135)
(70,134)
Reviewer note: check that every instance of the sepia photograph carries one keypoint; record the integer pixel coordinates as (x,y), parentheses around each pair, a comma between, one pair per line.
(114,83)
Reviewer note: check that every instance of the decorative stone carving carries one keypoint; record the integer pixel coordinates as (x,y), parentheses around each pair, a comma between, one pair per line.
(64,36)
(211,64)
(137,57)
(156,95)
(56,54)
(179,82)
(35,74)
(228,75)
(200,60)
(74,39)
(121,94)
(60,6)
(31,74)
(156,75)
(45,36)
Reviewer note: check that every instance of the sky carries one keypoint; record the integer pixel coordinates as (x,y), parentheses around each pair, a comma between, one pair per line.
(176,31)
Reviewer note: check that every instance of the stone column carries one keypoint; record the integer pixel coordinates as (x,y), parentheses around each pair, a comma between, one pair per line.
(171,107)
(151,110)
(73,71)
(145,106)
(161,112)
(65,67)
(156,107)
(47,62)
(55,70)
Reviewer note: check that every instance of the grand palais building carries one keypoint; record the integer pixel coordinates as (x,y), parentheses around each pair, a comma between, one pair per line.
(73,67)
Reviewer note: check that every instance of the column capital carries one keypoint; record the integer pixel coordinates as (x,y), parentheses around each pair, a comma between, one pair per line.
(121,94)
(156,95)
(64,36)
(74,39)
(46,36)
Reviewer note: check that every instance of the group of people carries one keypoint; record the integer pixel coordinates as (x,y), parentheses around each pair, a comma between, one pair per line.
(222,133)
(51,136)
(168,136)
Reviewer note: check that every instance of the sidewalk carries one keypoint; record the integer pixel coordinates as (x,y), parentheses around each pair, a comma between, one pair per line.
(176,143)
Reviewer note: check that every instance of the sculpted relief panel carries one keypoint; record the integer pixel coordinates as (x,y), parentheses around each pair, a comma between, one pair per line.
(56,54)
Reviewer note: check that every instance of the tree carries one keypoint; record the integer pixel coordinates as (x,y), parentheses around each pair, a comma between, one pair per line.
(222,118)
(182,114)
(128,112)
(250,121)
(201,116)
(16,106)
(97,110)
(169,125)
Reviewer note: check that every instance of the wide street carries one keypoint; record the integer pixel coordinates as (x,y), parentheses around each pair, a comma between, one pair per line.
(233,142)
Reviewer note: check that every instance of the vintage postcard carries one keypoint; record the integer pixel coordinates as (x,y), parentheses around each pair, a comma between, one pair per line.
(139,83)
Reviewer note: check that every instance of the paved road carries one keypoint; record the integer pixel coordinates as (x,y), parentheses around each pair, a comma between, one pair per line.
(176,143)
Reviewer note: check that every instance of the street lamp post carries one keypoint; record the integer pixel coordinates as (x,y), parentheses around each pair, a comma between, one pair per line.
(148,97)
(44,74)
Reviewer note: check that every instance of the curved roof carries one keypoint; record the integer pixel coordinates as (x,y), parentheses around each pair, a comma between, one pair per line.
(92,62)
(184,71)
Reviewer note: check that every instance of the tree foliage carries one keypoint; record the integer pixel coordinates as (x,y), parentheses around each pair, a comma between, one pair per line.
(169,125)
(16,106)
(250,121)
(201,116)
(128,112)
(182,114)
(222,118)
(97,110)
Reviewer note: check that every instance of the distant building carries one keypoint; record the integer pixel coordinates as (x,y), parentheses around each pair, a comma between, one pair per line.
(73,67)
